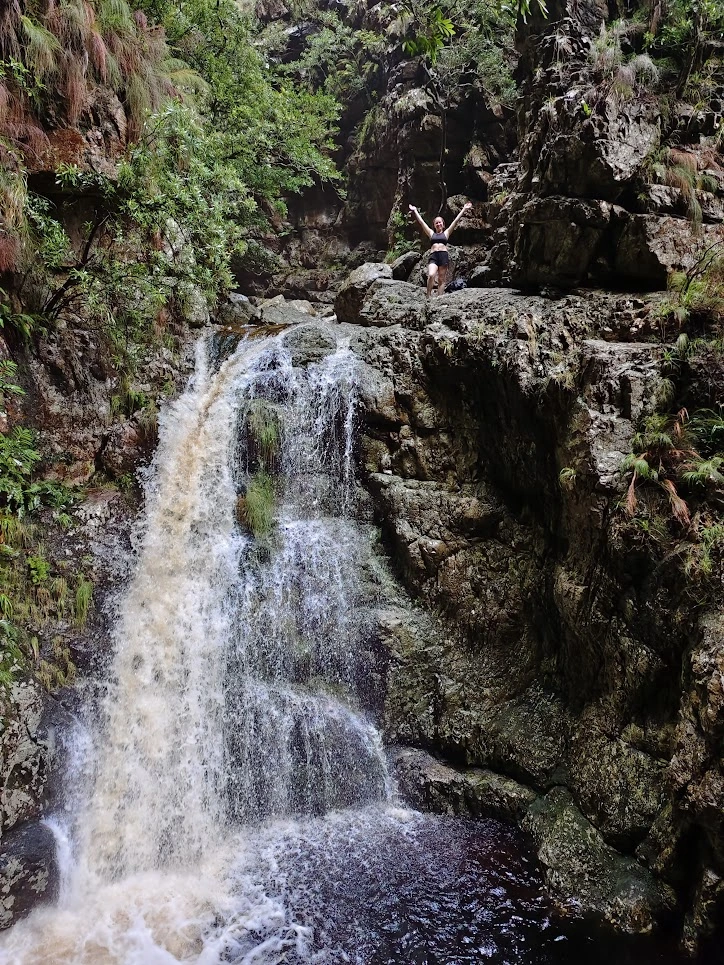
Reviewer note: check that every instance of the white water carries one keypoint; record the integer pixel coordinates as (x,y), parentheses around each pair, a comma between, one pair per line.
(233,693)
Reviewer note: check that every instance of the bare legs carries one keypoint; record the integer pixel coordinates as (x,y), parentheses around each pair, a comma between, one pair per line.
(432,272)
(436,278)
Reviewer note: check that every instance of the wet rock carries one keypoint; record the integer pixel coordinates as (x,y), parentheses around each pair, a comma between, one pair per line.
(25,757)
(389,302)
(28,871)
(593,157)
(195,307)
(279,311)
(124,448)
(309,343)
(619,787)
(430,785)
(540,657)
(706,911)
(348,303)
(649,247)
(555,240)
(236,310)
(579,865)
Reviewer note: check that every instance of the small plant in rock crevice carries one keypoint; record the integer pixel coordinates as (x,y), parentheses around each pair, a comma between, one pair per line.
(255,507)
(82,601)
(263,425)
(697,294)
(661,448)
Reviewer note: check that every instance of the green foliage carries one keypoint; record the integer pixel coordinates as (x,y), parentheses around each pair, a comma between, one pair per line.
(708,544)
(620,75)
(687,35)
(18,492)
(217,140)
(256,507)
(399,227)
(567,478)
(708,427)
(21,323)
(433,32)
(264,430)
(697,293)
(30,596)
(524,8)
(12,659)
(82,602)
(337,59)
(39,569)
(480,53)
(8,370)
(661,449)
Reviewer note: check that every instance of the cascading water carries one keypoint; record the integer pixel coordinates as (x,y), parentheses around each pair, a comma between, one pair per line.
(234,805)
(234,680)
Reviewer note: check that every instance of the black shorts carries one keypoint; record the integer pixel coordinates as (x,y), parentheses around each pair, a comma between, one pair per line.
(441,258)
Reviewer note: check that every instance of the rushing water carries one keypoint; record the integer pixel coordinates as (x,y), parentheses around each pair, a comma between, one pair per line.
(233,804)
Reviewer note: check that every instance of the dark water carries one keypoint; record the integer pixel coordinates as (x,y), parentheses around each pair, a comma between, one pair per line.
(390,887)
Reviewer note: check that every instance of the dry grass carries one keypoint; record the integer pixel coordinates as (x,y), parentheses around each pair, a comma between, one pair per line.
(63,50)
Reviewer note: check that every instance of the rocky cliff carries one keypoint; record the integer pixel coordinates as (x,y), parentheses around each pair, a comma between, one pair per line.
(524,442)
(579,638)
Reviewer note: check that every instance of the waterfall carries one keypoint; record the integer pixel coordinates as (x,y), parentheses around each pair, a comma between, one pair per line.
(235,693)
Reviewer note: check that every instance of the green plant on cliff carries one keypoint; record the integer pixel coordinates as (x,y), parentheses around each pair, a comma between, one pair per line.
(698,292)
(619,74)
(432,30)
(264,429)
(256,507)
(19,492)
(82,601)
(337,59)
(689,32)
(216,140)
(662,449)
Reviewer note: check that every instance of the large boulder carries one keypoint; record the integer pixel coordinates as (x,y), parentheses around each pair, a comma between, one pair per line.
(389,302)
(596,156)
(430,785)
(578,862)
(648,248)
(348,303)
(25,754)
(28,871)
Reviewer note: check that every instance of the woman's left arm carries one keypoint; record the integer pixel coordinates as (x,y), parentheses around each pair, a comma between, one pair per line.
(453,223)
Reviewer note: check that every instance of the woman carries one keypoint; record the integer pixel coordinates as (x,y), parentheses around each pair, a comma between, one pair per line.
(439,261)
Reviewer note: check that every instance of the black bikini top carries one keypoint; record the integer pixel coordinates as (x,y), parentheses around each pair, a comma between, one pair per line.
(438,238)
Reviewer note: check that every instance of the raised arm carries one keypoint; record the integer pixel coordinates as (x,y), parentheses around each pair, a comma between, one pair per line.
(458,216)
(425,227)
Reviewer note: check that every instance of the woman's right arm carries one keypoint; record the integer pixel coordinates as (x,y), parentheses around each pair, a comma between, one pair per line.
(426,228)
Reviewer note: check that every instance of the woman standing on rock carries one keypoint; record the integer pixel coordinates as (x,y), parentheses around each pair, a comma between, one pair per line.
(439,260)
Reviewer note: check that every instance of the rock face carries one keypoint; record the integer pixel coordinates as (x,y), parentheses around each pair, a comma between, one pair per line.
(24,754)
(494,427)
(589,201)
(28,872)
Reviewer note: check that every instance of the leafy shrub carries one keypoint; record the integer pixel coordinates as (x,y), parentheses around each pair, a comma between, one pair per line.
(18,458)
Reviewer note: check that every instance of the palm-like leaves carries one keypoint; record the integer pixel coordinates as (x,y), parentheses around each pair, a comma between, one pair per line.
(660,451)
